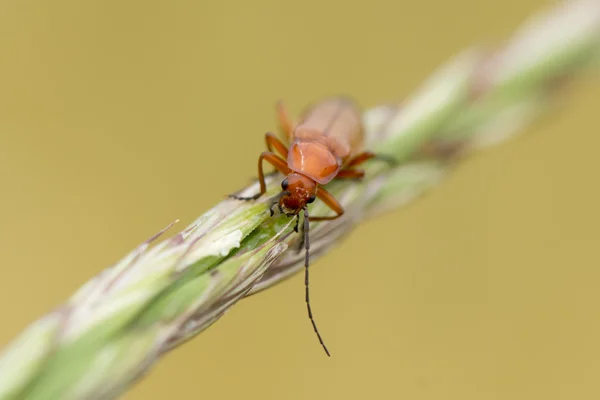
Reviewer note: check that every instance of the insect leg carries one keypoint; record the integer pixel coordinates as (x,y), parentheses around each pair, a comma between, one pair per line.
(307,297)
(366,156)
(273,142)
(350,174)
(272,159)
(331,202)
(284,121)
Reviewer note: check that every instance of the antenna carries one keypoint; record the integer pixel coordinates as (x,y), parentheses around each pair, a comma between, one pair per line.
(306,259)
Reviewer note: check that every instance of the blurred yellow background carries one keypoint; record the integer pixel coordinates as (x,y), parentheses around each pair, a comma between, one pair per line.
(117,117)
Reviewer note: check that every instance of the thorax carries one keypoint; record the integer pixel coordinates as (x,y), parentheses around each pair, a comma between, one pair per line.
(314,158)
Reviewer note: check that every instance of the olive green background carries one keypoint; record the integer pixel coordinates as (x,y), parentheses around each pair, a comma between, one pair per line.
(117,117)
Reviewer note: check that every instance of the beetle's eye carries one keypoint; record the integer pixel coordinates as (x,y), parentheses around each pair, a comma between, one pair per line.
(311,199)
(284,184)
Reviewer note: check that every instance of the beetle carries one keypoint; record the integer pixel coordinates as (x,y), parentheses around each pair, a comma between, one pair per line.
(325,144)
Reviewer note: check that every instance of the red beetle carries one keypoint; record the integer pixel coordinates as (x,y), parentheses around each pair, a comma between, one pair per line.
(326,144)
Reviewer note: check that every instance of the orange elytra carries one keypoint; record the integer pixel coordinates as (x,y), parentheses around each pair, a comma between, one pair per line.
(326,144)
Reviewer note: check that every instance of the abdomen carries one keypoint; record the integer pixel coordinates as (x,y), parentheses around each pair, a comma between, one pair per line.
(335,123)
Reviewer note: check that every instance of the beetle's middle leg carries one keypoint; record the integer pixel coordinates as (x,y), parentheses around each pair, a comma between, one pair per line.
(350,174)
(274,143)
(368,155)
(279,163)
